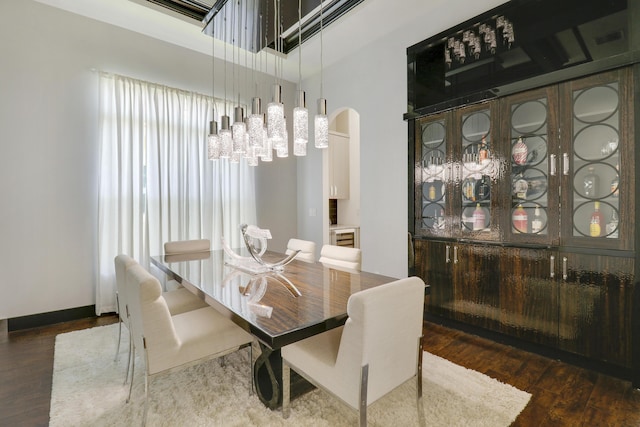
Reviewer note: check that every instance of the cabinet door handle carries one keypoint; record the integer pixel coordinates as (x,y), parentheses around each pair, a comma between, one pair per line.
(447,259)
(552,272)
(564,268)
(565,164)
(455,254)
(552,164)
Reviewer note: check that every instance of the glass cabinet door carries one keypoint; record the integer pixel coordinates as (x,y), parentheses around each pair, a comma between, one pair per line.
(432,174)
(476,172)
(530,128)
(597,166)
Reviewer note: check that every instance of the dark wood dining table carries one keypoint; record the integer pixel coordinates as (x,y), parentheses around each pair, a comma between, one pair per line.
(278,308)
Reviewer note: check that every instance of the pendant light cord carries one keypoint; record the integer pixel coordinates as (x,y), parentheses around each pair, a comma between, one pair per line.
(225,65)
(213,71)
(321,53)
(300,45)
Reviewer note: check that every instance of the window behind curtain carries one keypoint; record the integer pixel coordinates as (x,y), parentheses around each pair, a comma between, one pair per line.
(156,183)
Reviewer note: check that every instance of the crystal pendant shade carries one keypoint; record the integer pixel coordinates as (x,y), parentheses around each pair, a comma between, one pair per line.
(213,141)
(299,148)
(235,157)
(255,124)
(300,121)
(238,131)
(226,140)
(275,123)
(300,125)
(283,150)
(321,125)
(267,150)
(275,119)
(251,156)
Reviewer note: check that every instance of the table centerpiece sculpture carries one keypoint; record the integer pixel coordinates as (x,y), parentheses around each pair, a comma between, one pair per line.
(255,240)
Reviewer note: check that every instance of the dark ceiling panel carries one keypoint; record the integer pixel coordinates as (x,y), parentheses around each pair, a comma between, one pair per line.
(249,24)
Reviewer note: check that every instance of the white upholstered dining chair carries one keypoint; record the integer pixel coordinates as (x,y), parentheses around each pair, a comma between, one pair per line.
(178,301)
(187,246)
(378,349)
(341,257)
(170,342)
(306,248)
(176,248)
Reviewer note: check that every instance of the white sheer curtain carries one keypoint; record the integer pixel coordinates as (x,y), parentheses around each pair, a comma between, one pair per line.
(156,183)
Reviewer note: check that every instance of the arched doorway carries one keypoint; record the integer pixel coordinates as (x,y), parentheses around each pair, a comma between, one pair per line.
(341,176)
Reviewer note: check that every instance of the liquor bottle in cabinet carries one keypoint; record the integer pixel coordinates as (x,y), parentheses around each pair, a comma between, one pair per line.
(612,225)
(478,218)
(615,182)
(520,219)
(597,221)
(536,224)
(591,183)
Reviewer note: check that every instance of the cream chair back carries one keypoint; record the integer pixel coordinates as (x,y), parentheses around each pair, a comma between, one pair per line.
(383,331)
(122,262)
(378,348)
(183,250)
(187,246)
(151,325)
(341,257)
(307,249)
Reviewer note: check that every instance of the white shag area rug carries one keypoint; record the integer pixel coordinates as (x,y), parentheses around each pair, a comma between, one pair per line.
(88,390)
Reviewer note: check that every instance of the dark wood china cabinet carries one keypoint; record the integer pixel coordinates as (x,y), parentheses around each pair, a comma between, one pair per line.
(523,216)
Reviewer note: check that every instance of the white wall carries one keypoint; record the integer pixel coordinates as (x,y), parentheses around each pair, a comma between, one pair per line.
(49,148)
(374,83)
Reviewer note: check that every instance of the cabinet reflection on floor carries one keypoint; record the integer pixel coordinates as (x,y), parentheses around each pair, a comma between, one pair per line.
(562,394)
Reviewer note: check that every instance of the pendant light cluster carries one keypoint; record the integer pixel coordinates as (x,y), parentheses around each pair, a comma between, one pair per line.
(257,136)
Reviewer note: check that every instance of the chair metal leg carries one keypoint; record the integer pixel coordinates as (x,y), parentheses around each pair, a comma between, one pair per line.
(119,338)
(119,331)
(419,370)
(251,385)
(126,377)
(364,381)
(419,405)
(286,389)
(146,398)
(133,369)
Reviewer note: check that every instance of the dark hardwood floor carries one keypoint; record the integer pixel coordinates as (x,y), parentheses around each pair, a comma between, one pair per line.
(26,366)
(562,395)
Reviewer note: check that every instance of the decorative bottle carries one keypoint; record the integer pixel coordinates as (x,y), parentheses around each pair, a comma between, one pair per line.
(520,152)
(591,183)
(520,220)
(536,223)
(484,152)
(614,184)
(432,192)
(520,187)
(612,225)
(440,220)
(478,218)
(483,188)
(597,221)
